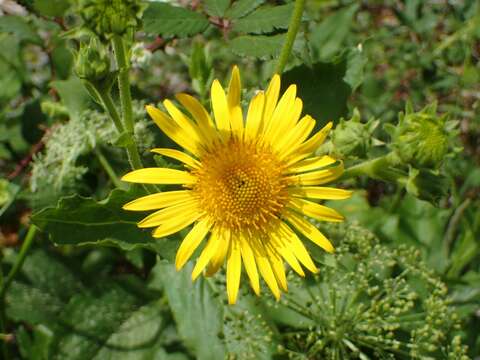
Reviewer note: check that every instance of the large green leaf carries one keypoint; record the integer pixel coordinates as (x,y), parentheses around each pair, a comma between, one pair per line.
(198,313)
(209,327)
(322,89)
(48,286)
(167,20)
(216,7)
(326,39)
(265,20)
(241,8)
(356,61)
(51,7)
(77,220)
(262,47)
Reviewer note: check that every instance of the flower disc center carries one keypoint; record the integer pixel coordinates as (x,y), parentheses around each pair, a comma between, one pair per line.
(240,185)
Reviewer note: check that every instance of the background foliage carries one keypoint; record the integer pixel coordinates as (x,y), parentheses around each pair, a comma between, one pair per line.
(404,282)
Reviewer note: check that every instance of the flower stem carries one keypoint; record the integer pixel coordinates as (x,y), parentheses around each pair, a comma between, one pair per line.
(108,169)
(109,106)
(379,168)
(126,100)
(291,34)
(5,283)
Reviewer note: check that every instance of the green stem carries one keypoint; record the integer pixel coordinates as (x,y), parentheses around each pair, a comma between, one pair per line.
(110,107)
(453,224)
(5,283)
(27,243)
(123,81)
(379,168)
(291,34)
(108,169)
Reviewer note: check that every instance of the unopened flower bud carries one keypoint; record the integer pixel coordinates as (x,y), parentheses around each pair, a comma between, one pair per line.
(111,17)
(422,139)
(352,138)
(92,62)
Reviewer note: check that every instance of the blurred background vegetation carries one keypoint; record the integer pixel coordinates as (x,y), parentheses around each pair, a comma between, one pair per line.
(405,282)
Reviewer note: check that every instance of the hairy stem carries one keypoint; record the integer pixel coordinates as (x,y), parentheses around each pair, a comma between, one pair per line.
(291,34)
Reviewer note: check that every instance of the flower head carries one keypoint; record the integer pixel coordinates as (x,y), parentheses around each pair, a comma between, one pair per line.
(246,185)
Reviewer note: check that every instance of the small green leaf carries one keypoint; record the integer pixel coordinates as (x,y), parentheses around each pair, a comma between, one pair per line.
(167,20)
(262,47)
(265,20)
(322,89)
(73,94)
(78,220)
(241,8)
(326,39)
(53,8)
(19,26)
(216,7)
(356,61)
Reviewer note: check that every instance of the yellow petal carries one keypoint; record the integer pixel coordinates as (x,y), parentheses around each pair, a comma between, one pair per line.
(191,242)
(289,142)
(159,200)
(254,115)
(286,253)
(159,176)
(315,210)
(318,177)
(171,129)
(279,122)
(271,98)
(297,248)
(234,88)
(170,213)
(324,193)
(278,269)
(183,121)
(196,109)
(234,269)
(249,262)
(311,164)
(220,106)
(316,140)
(309,231)
(266,271)
(177,155)
(219,257)
(176,224)
(207,253)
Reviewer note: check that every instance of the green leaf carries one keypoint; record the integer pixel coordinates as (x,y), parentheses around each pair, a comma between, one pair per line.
(265,20)
(62,59)
(19,26)
(167,20)
(241,8)
(78,220)
(262,47)
(90,319)
(216,7)
(73,94)
(53,8)
(327,39)
(197,313)
(322,89)
(49,284)
(356,61)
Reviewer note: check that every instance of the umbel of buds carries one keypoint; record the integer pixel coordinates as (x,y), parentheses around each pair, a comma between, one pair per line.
(352,138)
(92,62)
(110,17)
(422,139)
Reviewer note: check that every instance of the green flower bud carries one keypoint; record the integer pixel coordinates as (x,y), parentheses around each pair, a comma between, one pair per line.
(352,138)
(111,17)
(422,139)
(92,62)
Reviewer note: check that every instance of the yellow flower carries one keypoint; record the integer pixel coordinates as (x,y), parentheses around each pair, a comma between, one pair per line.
(246,185)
